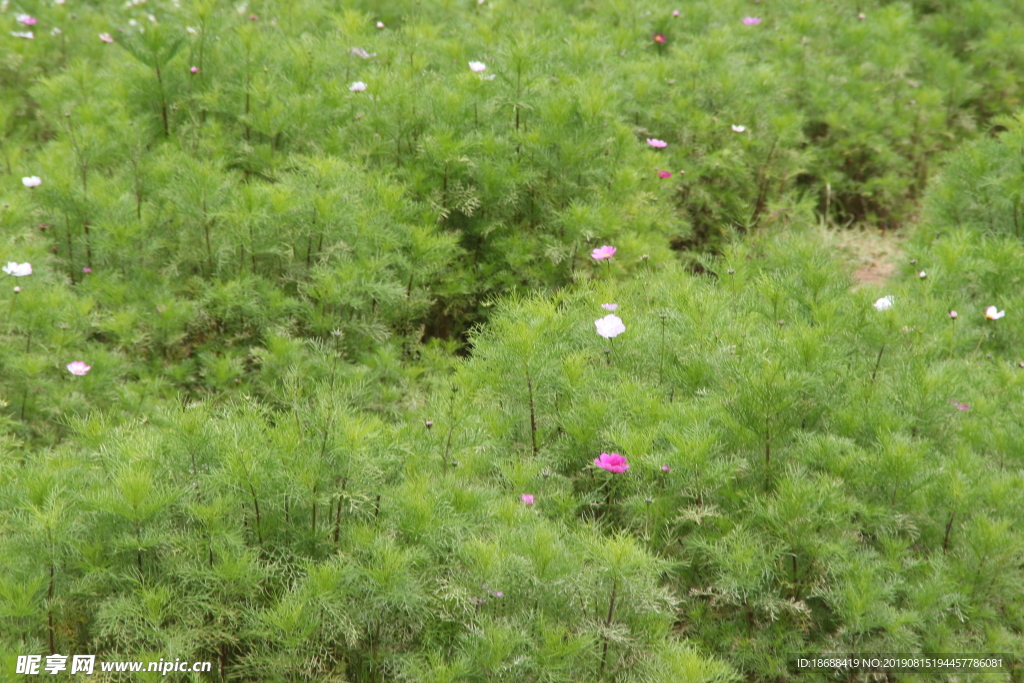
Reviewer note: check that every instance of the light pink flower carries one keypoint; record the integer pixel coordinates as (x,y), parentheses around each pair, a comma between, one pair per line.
(32,181)
(477,66)
(613,462)
(737,128)
(78,368)
(380,24)
(954,315)
(361,53)
(194,70)
(664,174)
(87,270)
(666,469)
(675,13)
(993,314)
(751,21)
(27,35)
(862,16)
(959,406)
(105,37)
(527,498)
(610,326)
(609,307)
(603,252)
(17,289)
(655,142)
(28,20)
(358,86)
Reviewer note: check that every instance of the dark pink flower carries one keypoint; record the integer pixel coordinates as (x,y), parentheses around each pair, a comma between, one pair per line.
(603,252)
(655,142)
(666,469)
(194,70)
(664,174)
(959,406)
(87,270)
(659,37)
(613,462)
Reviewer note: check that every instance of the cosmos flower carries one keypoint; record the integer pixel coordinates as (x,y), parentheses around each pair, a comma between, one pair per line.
(358,86)
(603,252)
(360,52)
(922,275)
(78,368)
(659,37)
(664,174)
(954,315)
(32,181)
(959,406)
(751,21)
(993,314)
(15,269)
(609,307)
(194,70)
(87,270)
(666,469)
(380,24)
(105,37)
(884,304)
(477,66)
(613,462)
(26,19)
(654,142)
(527,498)
(675,13)
(27,35)
(738,129)
(610,326)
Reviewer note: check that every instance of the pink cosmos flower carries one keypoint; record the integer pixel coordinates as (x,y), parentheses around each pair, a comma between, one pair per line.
(862,16)
(664,174)
(477,67)
(17,290)
(655,142)
(960,406)
(666,469)
(78,368)
(527,498)
(27,19)
(610,326)
(380,24)
(751,21)
(87,270)
(613,462)
(992,313)
(675,13)
(659,37)
(609,307)
(194,70)
(358,86)
(954,315)
(105,37)
(603,252)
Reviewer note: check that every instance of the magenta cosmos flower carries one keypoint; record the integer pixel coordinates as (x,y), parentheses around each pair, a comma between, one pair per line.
(27,19)
(603,252)
(959,406)
(751,21)
(78,368)
(659,37)
(655,142)
(613,462)
(664,174)
(527,498)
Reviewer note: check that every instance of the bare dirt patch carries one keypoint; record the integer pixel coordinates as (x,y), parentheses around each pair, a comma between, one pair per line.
(871,254)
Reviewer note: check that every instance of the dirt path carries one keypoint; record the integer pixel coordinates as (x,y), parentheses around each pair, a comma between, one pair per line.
(872,254)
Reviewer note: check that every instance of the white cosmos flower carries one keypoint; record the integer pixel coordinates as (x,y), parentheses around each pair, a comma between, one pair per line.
(32,181)
(28,35)
(994,314)
(477,66)
(884,304)
(610,326)
(738,129)
(358,86)
(16,269)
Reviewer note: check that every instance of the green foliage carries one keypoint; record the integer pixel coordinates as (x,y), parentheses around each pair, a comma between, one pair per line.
(346,392)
